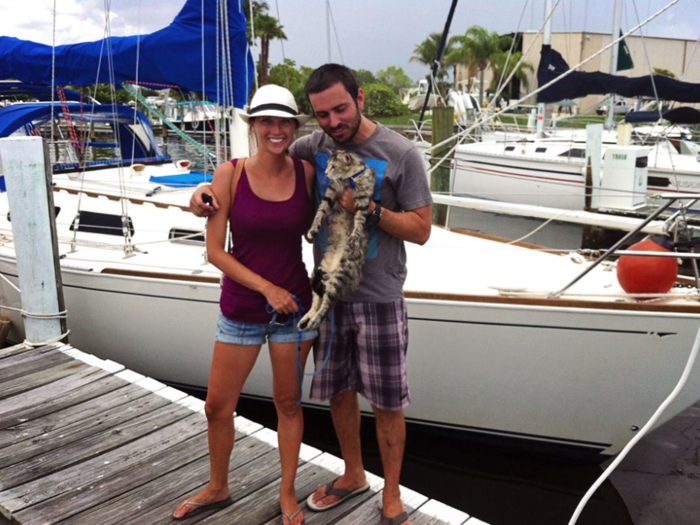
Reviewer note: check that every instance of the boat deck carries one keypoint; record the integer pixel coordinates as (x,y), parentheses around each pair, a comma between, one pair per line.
(86,442)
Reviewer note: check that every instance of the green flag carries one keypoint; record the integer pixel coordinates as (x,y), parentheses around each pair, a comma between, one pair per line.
(624,57)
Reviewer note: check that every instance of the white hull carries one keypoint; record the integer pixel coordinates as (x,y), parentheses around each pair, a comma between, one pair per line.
(564,372)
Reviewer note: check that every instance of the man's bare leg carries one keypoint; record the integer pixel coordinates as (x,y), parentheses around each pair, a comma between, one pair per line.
(391,434)
(345,410)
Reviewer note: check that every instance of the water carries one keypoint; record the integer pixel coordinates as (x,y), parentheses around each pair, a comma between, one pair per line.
(656,485)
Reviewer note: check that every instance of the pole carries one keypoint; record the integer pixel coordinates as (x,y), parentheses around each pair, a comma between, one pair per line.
(614,53)
(546,41)
(36,243)
(443,127)
(436,64)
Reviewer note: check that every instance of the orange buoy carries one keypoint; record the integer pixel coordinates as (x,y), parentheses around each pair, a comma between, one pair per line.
(647,274)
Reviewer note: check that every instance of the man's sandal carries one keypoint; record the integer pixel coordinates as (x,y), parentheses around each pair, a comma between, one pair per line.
(331,490)
(291,517)
(396,520)
(202,507)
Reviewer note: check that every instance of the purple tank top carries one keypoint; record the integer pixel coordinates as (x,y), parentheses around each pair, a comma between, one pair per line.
(267,239)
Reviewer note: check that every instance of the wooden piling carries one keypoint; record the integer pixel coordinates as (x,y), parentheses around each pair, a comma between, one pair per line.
(443,126)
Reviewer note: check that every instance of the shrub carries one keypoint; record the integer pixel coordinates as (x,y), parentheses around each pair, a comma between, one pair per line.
(381,101)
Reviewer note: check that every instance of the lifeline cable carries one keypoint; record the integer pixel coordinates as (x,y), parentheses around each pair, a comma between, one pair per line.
(681,382)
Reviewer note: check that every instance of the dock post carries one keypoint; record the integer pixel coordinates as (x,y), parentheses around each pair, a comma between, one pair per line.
(32,215)
(443,128)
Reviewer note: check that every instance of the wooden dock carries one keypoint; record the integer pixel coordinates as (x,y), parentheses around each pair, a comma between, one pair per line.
(85,442)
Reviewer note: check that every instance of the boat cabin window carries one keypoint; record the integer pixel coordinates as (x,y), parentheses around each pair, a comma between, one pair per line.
(642,162)
(104,223)
(659,182)
(510,148)
(186,236)
(540,150)
(576,153)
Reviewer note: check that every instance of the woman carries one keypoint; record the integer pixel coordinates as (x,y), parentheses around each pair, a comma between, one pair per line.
(269,210)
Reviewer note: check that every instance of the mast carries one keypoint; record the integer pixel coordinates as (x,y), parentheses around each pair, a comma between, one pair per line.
(546,41)
(614,53)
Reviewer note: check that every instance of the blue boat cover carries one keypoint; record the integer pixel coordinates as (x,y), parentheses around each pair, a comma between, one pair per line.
(29,116)
(682,115)
(185,180)
(579,84)
(170,56)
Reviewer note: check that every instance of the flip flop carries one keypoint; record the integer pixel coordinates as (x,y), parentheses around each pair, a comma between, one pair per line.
(201,507)
(343,494)
(396,520)
(291,517)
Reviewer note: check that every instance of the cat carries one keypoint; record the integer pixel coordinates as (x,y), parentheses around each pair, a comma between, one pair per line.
(340,271)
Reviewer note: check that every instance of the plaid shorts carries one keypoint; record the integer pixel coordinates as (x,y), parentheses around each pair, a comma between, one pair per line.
(368,354)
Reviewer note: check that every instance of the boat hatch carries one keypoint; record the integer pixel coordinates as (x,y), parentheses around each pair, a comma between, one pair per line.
(577,153)
(186,236)
(105,223)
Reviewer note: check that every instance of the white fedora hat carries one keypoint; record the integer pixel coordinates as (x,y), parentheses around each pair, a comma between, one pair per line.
(274,101)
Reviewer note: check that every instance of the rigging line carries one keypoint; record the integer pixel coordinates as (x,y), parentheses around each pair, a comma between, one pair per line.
(510,52)
(136,76)
(526,53)
(53,71)
(335,31)
(284,58)
(653,85)
(479,122)
(251,20)
(206,157)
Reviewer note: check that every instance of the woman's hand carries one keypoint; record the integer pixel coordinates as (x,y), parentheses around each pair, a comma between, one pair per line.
(280,299)
(199,207)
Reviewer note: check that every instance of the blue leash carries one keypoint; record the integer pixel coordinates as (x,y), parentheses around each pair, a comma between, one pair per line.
(295,318)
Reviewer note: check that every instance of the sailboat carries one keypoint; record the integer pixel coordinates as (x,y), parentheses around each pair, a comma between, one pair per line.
(501,347)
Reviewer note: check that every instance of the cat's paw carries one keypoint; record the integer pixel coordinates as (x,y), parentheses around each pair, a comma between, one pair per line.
(310,236)
(353,243)
(310,321)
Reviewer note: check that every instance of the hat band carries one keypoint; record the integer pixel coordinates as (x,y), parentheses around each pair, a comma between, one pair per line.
(278,107)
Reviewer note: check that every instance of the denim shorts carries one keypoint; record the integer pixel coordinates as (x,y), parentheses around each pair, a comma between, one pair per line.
(235,333)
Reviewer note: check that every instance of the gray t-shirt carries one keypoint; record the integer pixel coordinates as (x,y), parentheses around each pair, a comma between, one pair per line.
(402,184)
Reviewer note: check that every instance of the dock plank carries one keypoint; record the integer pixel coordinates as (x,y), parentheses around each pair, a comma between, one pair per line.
(42,377)
(125,494)
(52,449)
(67,417)
(91,383)
(85,473)
(11,351)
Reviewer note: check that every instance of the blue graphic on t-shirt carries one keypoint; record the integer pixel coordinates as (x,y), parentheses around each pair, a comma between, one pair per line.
(322,183)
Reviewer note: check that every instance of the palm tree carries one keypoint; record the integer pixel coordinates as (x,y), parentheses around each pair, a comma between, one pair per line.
(426,53)
(460,55)
(267,28)
(502,67)
(480,44)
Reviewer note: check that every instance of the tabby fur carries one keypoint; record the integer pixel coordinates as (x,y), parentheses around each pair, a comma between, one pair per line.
(340,271)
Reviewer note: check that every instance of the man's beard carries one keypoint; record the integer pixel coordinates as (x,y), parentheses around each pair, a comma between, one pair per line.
(354,127)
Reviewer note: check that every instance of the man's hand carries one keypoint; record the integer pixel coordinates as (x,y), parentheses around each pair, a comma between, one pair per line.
(201,208)
(347,200)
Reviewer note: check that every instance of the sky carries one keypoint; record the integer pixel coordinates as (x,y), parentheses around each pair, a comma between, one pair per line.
(369,34)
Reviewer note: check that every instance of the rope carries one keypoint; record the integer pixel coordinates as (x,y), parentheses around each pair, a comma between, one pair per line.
(33,315)
(48,342)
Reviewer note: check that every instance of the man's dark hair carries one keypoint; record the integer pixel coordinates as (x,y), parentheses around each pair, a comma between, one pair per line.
(328,75)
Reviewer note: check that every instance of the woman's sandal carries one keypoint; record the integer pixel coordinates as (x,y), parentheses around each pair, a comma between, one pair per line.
(201,507)
(291,517)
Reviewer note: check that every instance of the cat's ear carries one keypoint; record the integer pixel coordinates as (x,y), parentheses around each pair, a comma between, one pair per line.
(347,158)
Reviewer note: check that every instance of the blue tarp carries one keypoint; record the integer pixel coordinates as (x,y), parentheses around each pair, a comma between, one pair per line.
(187,180)
(682,115)
(172,56)
(579,84)
(13,118)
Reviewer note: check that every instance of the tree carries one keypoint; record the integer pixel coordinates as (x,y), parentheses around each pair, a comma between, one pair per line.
(427,51)
(394,77)
(502,66)
(294,80)
(364,77)
(381,101)
(478,46)
(267,28)
(664,72)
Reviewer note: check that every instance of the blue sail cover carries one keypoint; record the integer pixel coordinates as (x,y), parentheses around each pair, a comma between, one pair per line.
(170,56)
(580,84)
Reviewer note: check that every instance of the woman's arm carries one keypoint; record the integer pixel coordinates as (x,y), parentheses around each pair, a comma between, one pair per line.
(310,173)
(279,298)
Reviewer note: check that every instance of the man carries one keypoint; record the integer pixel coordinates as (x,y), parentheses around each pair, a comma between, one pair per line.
(371,327)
